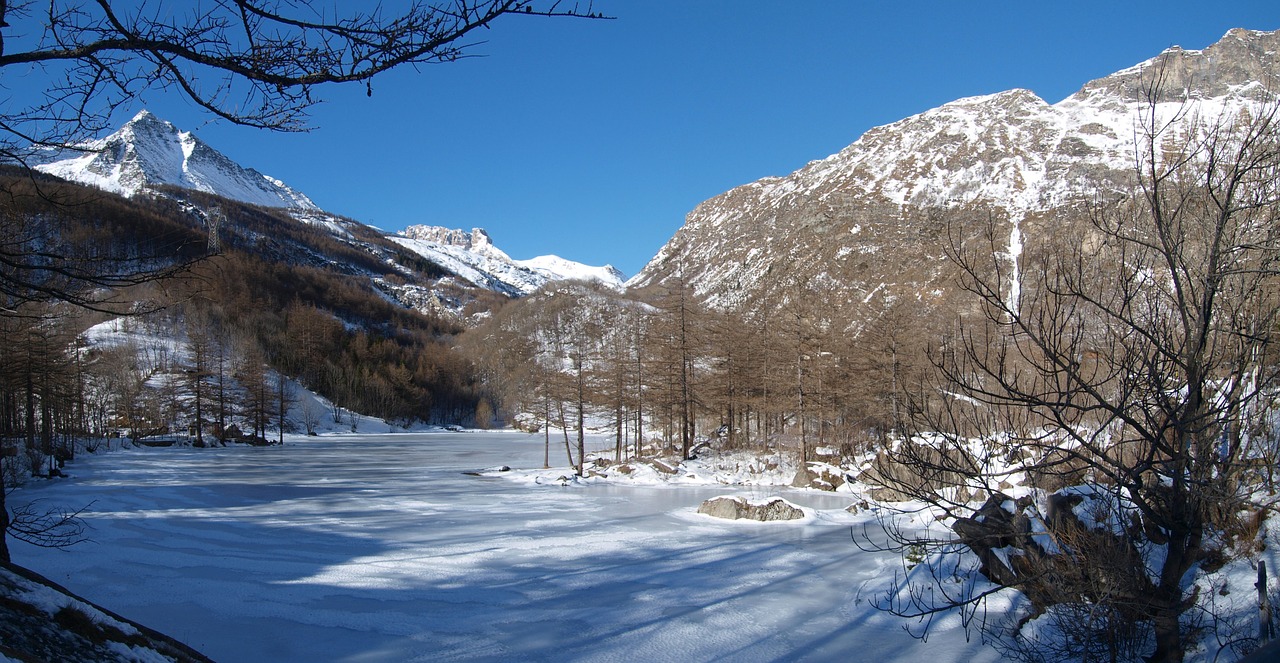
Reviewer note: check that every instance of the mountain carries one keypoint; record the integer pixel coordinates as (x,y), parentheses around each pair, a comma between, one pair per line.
(473,257)
(148,152)
(867,223)
(555,268)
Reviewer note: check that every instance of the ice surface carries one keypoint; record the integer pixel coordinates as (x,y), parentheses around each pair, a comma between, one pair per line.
(379,548)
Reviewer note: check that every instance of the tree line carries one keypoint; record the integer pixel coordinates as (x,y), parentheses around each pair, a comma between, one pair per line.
(665,372)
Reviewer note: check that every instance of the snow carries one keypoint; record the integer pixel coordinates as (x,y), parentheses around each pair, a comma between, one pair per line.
(379,548)
(148,152)
(473,257)
(49,601)
(556,268)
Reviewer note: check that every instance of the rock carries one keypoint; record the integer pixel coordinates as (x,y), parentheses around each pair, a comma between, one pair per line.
(803,477)
(821,476)
(858,507)
(734,508)
(662,467)
(893,481)
(1018,547)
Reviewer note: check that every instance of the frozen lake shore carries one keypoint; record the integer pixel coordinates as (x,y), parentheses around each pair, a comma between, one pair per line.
(379,548)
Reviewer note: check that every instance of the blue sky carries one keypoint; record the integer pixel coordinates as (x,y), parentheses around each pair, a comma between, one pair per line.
(593,139)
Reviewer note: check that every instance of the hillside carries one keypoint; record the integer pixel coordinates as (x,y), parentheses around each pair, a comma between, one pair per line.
(257,284)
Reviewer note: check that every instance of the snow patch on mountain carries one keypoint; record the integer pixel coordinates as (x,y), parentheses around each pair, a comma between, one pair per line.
(555,268)
(473,257)
(148,152)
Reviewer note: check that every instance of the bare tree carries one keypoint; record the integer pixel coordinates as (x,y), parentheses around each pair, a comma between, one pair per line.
(252,62)
(676,347)
(1121,382)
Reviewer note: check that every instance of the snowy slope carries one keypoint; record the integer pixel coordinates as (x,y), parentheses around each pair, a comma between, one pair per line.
(555,268)
(148,152)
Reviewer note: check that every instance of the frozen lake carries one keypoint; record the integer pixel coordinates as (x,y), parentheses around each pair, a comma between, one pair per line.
(373,548)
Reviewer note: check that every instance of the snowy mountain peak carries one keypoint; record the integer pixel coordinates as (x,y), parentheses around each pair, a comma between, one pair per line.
(1243,60)
(148,152)
(473,258)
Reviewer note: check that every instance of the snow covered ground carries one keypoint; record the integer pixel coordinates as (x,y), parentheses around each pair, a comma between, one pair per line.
(379,548)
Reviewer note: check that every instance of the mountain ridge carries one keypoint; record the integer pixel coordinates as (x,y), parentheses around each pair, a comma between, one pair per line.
(832,223)
(148,153)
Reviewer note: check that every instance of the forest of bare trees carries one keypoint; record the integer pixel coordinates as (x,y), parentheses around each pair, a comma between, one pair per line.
(193,346)
(664,373)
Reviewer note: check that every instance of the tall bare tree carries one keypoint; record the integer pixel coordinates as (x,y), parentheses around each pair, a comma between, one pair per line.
(1122,383)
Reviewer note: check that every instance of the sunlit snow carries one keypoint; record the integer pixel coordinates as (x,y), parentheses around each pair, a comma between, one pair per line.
(379,548)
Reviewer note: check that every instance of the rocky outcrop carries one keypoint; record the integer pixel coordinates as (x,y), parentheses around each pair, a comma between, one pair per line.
(734,508)
(898,477)
(819,476)
(477,240)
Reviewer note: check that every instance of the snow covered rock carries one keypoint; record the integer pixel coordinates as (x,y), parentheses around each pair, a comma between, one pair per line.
(1024,546)
(819,476)
(734,508)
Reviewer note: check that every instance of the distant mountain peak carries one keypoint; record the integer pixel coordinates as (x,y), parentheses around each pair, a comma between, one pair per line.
(473,257)
(148,152)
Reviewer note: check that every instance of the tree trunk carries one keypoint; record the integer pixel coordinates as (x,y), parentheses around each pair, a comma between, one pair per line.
(546,432)
(1169,645)
(582,442)
(1265,629)
(4,518)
